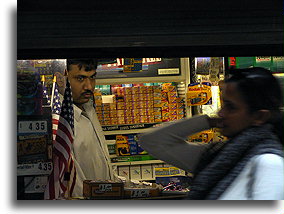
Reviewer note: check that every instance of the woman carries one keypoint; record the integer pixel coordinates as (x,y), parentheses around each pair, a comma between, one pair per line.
(250,164)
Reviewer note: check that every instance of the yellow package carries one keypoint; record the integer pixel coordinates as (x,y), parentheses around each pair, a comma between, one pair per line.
(127,91)
(122,147)
(135,113)
(165,86)
(157,103)
(120,105)
(150,90)
(129,120)
(161,171)
(199,94)
(135,90)
(120,112)
(157,89)
(128,113)
(128,106)
(202,137)
(171,88)
(106,114)
(112,106)
(106,106)
(136,105)
(135,98)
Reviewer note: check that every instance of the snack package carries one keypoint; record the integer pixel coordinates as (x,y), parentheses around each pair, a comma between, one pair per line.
(199,94)
(122,146)
(206,136)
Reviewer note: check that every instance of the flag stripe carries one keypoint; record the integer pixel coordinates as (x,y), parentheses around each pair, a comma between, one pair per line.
(62,137)
(63,155)
(61,147)
(66,130)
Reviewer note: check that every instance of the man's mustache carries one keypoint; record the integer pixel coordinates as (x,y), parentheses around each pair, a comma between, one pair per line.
(87,92)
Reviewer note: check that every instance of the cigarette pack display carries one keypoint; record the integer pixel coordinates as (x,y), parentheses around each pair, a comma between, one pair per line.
(147,172)
(135,172)
(124,171)
(132,145)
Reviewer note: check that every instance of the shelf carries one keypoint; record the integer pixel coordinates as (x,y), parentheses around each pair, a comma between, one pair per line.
(131,163)
(113,81)
(131,131)
(110,142)
(127,128)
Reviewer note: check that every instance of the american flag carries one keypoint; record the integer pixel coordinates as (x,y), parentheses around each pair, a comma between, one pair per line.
(63,164)
(56,109)
(45,95)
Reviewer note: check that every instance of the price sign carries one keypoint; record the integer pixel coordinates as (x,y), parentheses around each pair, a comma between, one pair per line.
(140,193)
(42,168)
(105,187)
(166,71)
(26,127)
(45,166)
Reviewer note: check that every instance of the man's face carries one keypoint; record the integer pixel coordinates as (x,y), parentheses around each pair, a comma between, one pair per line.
(82,84)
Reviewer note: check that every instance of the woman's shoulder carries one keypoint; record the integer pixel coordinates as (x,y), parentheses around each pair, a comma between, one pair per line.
(268,160)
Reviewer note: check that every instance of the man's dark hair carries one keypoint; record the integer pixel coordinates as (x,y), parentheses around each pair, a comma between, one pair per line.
(89,64)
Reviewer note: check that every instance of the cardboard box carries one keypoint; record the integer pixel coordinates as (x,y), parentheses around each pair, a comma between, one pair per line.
(102,190)
(141,192)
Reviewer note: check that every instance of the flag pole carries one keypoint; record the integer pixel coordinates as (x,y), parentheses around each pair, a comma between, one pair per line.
(52,92)
(43,79)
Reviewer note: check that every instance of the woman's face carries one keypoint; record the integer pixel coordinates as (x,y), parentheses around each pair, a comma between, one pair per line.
(234,114)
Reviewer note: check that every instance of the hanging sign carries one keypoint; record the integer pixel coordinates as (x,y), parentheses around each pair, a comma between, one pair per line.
(263,59)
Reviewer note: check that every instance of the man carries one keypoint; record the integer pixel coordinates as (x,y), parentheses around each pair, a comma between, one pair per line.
(90,151)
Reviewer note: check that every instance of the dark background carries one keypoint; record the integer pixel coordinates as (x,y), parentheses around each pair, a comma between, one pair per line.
(66,29)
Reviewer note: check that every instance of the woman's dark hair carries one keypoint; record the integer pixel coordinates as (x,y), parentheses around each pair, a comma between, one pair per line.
(260,90)
(89,64)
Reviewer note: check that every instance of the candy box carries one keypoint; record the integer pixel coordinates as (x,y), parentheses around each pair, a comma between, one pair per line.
(103,190)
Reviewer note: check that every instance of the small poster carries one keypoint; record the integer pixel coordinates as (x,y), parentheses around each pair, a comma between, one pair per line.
(263,61)
(132,65)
